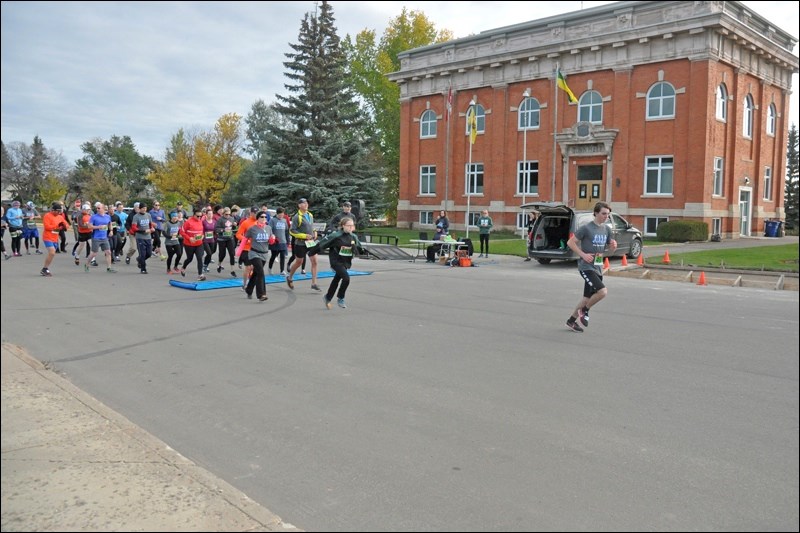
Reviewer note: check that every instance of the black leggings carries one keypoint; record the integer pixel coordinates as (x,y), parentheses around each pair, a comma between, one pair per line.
(484,239)
(228,247)
(341,279)
(191,252)
(209,248)
(274,254)
(176,251)
(257,278)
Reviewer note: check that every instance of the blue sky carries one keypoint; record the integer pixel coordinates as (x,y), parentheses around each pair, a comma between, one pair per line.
(74,71)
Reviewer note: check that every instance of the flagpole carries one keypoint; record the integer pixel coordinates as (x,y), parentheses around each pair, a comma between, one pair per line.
(469,171)
(448,110)
(555,130)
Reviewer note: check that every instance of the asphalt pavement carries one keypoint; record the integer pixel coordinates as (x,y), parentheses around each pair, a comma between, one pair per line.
(70,463)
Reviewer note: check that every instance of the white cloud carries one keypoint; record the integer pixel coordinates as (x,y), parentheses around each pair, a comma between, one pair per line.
(74,71)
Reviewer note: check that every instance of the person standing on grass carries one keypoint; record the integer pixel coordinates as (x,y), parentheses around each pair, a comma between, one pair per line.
(590,242)
(484,228)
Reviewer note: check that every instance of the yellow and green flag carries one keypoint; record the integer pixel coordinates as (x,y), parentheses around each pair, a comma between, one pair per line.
(472,124)
(561,81)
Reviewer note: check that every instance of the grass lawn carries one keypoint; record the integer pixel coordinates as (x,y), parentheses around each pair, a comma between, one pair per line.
(782,258)
(773,258)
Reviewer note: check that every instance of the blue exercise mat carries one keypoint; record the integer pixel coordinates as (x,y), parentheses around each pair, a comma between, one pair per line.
(237,282)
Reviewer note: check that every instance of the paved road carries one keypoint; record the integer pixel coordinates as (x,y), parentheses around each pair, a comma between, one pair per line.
(445,398)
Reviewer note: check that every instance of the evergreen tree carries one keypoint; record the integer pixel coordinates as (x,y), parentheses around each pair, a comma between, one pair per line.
(791,198)
(323,153)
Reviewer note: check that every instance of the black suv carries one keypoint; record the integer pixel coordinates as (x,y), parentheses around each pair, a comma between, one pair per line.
(557,222)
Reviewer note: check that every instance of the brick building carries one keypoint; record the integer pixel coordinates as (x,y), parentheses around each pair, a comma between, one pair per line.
(681,112)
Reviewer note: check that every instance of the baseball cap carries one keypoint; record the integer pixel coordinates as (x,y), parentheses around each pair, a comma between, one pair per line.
(346,204)
(29,203)
(56,206)
(302,201)
(255,209)
(86,206)
(136,205)
(15,203)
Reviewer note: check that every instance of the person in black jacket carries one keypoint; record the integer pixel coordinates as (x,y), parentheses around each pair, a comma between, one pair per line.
(343,245)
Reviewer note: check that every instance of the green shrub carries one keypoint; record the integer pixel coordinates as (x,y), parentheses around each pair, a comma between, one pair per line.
(682,231)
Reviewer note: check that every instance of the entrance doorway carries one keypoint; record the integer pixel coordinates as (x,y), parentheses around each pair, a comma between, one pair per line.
(589,186)
(745,209)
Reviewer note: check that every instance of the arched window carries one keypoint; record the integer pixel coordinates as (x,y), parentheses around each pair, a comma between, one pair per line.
(747,118)
(529,112)
(427,125)
(480,114)
(722,102)
(590,108)
(772,117)
(661,101)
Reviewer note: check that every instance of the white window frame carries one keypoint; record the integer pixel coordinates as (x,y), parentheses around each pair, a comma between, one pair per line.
(747,117)
(590,108)
(427,180)
(716,226)
(473,176)
(661,101)
(528,174)
(480,118)
(722,103)
(426,218)
(719,177)
(768,183)
(664,172)
(649,221)
(529,115)
(427,125)
(772,117)
(472,218)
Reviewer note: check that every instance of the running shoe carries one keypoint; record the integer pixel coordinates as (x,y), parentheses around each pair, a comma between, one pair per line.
(233,273)
(27,252)
(46,272)
(6,256)
(77,261)
(111,271)
(302,271)
(574,326)
(38,252)
(143,271)
(220,269)
(327,301)
(183,273)
(249,295)
(202,277)
(289,282)
(169,272)
(315,287)
(583,315)
(127,260)
(263,298)
(341,303)
(86,268)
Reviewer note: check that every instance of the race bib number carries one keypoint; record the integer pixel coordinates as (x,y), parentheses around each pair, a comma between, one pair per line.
(346,251)
(310,243)
(209,235)
(598,259)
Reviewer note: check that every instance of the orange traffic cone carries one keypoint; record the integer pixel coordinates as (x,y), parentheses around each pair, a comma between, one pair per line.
(640,260)
(624,260)
(666,257)
(702,280)
(606,264)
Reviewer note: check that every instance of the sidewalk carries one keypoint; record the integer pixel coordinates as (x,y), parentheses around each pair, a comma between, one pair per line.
(69,463)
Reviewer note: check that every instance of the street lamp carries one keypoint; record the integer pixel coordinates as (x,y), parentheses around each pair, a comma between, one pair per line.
(525,95)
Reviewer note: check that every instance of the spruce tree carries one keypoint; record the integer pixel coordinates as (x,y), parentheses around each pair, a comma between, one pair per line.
(792,191)
(322,155)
